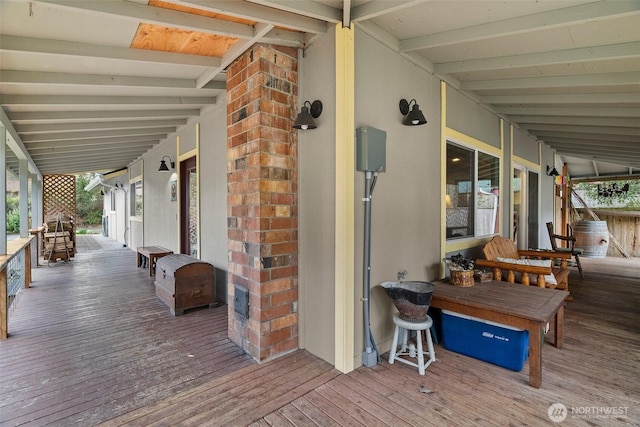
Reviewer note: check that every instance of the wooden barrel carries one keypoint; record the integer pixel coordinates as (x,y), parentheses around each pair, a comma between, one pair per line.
(592,237)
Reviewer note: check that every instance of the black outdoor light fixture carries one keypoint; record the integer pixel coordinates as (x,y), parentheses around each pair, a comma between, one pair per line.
(413,117)
(163,164)
(307,114)
(552,171)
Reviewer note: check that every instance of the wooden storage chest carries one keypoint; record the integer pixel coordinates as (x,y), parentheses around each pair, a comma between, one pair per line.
(183,282)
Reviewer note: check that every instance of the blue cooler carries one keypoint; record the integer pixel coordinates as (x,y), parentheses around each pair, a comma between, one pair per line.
(481,339)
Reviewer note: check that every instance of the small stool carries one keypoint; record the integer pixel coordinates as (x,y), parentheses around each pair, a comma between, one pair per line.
(403,326)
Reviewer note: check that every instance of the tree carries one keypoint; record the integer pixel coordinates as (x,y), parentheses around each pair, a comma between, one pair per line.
(619,194)
(89,204)
(13,214)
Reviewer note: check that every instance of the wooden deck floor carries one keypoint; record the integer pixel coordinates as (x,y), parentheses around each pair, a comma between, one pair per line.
(89,344)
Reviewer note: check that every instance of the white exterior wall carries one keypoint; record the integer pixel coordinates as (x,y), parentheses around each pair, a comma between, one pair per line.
(161,215)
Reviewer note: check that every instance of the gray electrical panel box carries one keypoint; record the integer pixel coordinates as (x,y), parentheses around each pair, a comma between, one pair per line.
(371,154)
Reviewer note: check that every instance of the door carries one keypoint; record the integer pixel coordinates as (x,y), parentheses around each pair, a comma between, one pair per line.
(532,210)
(518,201)
(189,207)
(525,207)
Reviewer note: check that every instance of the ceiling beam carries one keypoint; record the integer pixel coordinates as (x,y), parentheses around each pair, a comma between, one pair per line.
(109,115)
(604,157)
(232,53)
(596,112)
(566,56)
(532,120)
(377,8)
(73,79)
(524,24)
(555,82)
(84,165)
(16,145)
(630,175)
(71,153)
(310,9)
(260,13)
(610,151)
(123,155)
(34,45)
(393,43)
(34,148)
(632,98)
(79,100)
(138,12)
(64,127)
(116,140)
(592,130)
(63,136)
(558,135)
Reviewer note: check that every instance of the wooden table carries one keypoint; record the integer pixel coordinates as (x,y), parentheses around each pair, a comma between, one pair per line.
(520,306)
(150,254)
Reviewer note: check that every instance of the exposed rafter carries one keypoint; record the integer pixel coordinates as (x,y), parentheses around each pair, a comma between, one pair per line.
(524,24)
(566,56)
(58,47)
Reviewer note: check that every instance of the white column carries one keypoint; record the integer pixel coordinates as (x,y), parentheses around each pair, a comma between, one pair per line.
(24,198)
(3,190)
(36,216)
(36,202)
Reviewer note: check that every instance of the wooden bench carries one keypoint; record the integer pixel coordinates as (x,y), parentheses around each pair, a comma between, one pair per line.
(149,254)
(524,307)
(498,249)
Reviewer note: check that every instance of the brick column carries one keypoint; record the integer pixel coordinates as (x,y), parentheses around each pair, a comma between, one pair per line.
(262,200)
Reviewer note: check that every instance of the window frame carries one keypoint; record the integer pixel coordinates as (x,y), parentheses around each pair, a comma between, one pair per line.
(474,152)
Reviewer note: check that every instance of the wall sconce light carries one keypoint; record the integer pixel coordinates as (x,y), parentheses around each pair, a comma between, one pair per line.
(307,114)
(552,171)
(163,164)
(413,117)
(118,184)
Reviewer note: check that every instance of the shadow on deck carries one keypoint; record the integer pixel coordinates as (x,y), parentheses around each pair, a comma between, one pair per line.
(89,343)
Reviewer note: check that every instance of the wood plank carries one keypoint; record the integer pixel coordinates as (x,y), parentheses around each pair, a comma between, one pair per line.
(81,342)
(102,350)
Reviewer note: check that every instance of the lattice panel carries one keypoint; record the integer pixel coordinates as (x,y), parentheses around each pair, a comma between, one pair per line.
(59,196)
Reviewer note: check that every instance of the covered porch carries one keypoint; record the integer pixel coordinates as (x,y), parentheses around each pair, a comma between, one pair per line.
(89,343)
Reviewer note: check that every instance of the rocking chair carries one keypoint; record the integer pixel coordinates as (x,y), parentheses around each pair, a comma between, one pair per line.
(571,240)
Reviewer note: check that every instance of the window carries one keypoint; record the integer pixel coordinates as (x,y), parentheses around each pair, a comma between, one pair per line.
(472,193)
(136,198)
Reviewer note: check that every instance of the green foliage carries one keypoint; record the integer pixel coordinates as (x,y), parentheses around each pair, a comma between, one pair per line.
(89,204)
(625,200)
(13,214)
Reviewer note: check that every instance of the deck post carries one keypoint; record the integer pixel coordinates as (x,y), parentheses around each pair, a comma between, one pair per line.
(27,263)
(4,315)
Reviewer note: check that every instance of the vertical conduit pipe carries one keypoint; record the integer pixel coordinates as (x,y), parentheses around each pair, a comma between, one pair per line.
(370,355)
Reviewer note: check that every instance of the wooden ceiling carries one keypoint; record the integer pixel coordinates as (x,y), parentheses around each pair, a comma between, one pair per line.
(93,85)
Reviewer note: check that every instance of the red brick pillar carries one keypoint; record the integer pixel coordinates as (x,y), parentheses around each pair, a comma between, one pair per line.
(262,201)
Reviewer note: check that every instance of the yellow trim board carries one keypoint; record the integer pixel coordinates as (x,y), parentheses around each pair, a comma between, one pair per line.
(526,163)
(443,175)
(344,198)
(454,135)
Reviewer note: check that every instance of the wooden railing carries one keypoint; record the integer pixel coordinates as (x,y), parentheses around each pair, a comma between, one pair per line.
(15,265)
